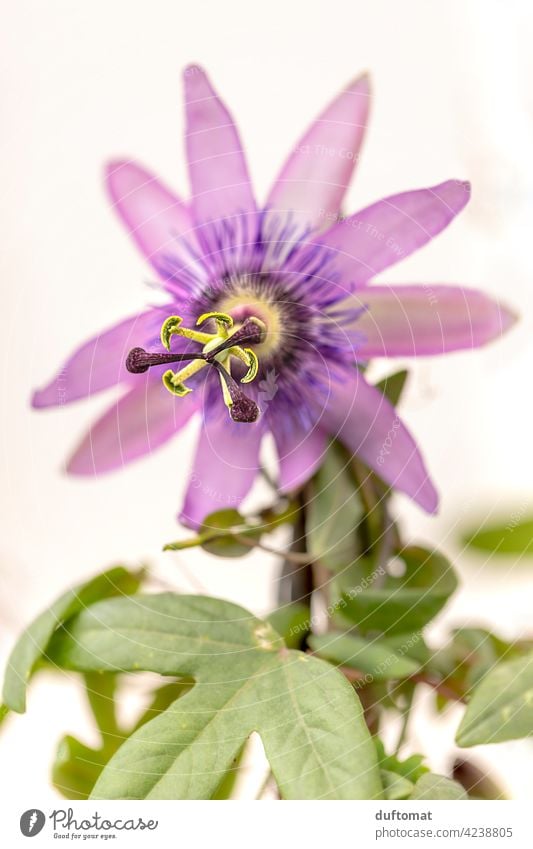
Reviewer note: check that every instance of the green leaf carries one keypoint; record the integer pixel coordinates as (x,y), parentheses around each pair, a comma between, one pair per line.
(226,544)
(293,622)
(392,386)
(411,646)
(396,786)
(34,641)
(465,660)
(308,716)
(476,652)
(101,689)
(406,602)
(74,772)
(432,786)
(373,657)
(411,768)
(513,537)
(501,707)
(333,512)
(77,767)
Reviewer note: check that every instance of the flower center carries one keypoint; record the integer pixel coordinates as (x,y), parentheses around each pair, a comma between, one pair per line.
(218,350)
(243,304)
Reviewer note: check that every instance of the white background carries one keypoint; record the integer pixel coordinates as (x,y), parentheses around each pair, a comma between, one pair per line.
(83,82)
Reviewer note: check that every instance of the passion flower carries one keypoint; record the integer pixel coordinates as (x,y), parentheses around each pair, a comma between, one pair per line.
(269,316)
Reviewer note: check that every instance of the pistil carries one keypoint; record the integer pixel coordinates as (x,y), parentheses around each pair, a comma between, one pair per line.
(218,349)
(252,332)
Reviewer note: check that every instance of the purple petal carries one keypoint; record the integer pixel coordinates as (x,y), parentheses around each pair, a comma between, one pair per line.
(391,229)
(359,416)
(218,173)
(137,424)
(426,319)
(300,453)
(100,362)
(313,181)
(154,216)
(225,467)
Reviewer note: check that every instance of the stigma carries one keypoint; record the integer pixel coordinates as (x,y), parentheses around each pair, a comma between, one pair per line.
(219,350)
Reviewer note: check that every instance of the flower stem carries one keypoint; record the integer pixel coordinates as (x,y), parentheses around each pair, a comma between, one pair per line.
(297,584)
(405,723)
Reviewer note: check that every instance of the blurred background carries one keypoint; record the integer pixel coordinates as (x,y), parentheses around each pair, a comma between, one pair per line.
(82,83)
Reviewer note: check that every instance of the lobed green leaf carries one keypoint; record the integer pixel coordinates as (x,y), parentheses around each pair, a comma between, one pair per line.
(309,718)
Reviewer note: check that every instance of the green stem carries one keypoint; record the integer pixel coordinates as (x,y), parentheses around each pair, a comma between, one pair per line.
(291,556)
(297,582)
(405,723)
(100,688)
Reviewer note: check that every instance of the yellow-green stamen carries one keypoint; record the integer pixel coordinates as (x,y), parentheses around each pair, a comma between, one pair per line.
(218,350)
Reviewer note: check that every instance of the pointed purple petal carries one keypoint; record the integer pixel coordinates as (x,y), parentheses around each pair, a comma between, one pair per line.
(100,362)
(391,229)
(359,416)
(300,452)
(218,173)
(426,319)
(138,423)
(225,467)
(313,181)
(155,218)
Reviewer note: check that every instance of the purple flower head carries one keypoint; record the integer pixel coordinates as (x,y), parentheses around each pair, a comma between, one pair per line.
(269,312)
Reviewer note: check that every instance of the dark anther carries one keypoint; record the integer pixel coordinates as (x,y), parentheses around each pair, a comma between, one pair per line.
(139,360)
(243,409)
